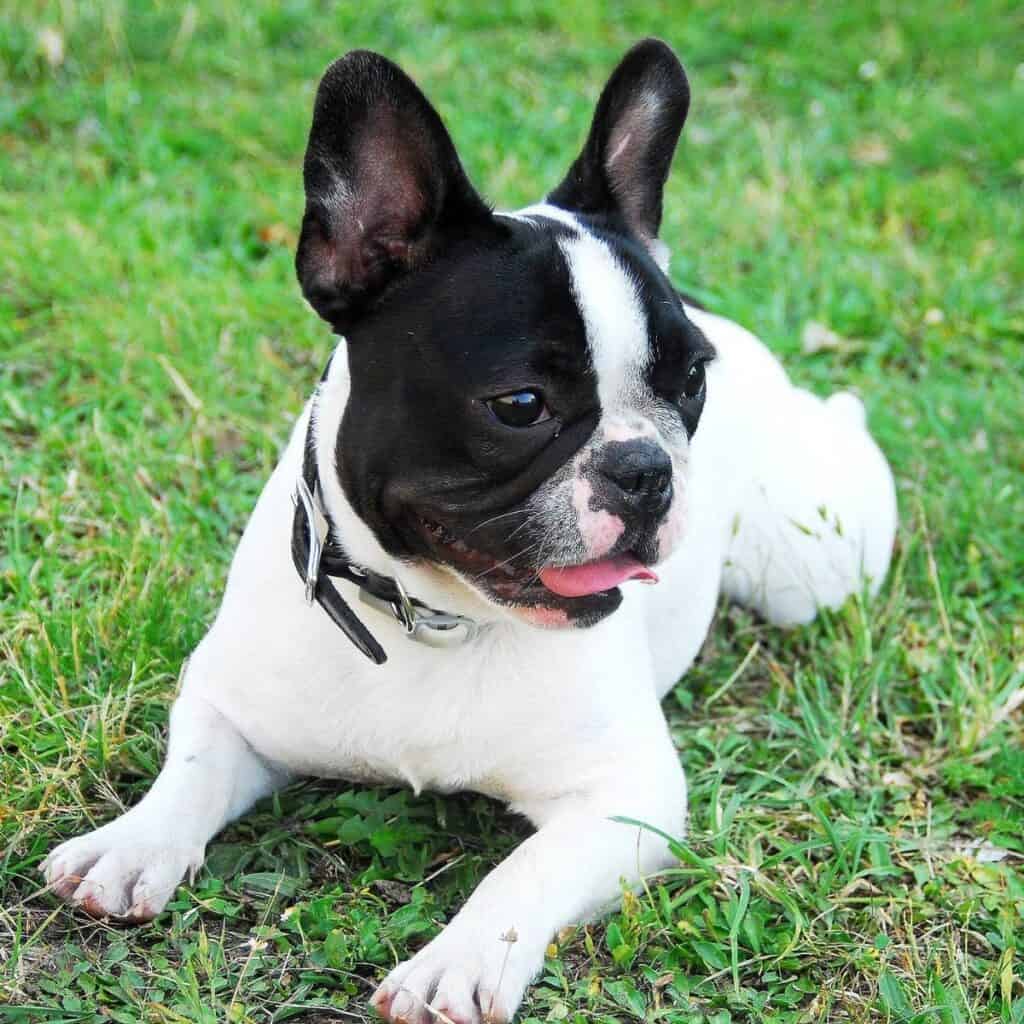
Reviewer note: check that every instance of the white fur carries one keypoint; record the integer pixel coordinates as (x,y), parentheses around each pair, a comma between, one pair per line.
(565,726)
(529,215)
(613,316)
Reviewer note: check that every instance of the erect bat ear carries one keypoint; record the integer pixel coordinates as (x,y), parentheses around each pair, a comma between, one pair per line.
(385,190)
(625,161)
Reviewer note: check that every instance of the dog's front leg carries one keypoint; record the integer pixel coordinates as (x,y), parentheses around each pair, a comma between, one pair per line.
(130,868)
(571,869)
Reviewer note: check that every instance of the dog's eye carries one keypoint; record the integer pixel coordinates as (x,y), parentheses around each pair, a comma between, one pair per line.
(520,409)
(695,380)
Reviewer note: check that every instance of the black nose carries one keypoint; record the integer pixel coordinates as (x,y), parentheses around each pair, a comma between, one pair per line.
(641,472)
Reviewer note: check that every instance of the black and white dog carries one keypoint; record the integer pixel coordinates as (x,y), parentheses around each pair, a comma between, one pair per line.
(523,416)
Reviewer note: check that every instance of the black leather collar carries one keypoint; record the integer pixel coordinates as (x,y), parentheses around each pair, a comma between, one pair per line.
(317,560)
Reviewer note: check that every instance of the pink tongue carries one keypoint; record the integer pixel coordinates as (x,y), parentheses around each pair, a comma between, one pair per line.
(580,580)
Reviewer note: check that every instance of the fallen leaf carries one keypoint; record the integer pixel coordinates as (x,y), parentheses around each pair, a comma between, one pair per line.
(277,234)
(817,336)
(871,150)
(900,780)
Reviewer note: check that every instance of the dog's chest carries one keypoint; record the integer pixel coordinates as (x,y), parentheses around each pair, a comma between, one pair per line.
(498,716)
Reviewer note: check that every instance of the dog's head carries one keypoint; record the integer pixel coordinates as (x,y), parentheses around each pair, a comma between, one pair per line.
(523,387)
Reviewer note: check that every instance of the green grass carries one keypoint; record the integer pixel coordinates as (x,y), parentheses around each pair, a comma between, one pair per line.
(845,165)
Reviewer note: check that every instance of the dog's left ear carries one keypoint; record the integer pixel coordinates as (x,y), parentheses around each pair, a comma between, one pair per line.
(625,161)
(385,191)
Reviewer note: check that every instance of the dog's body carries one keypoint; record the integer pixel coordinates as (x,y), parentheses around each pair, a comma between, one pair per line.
(779,499)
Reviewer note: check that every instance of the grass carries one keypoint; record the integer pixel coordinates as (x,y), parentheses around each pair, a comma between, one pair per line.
(854,166)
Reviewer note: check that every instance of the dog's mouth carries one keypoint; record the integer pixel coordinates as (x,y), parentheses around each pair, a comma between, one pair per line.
(586,591)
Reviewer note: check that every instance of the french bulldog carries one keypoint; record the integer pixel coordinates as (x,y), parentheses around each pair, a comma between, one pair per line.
(442,584)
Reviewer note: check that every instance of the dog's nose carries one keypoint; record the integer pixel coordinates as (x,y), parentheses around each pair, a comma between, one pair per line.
(642,474)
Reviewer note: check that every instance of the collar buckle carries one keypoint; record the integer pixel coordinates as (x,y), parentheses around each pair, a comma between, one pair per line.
(444,629)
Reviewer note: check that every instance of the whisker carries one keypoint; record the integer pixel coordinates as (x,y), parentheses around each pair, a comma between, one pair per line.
(533,579)
(511,558)
(494,519)
(528,522)
(549,535)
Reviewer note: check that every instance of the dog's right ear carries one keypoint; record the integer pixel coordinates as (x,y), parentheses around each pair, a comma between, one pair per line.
(385,190)
(625,161)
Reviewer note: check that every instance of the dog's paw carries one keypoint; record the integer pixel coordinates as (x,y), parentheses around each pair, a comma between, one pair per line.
(463,977)
(119,872)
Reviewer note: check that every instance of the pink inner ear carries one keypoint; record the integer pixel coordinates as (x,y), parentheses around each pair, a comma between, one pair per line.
(389,205)
(627,163)
(376,216)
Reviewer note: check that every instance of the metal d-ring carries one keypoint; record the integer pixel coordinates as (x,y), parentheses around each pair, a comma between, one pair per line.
(315,545)
(404,609)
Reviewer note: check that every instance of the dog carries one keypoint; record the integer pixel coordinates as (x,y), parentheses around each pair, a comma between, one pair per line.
(442,583)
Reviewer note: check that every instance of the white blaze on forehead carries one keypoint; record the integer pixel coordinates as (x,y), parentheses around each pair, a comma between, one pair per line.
(613,316)
(620,428)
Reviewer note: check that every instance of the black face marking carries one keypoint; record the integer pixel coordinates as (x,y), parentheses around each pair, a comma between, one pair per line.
(424,368)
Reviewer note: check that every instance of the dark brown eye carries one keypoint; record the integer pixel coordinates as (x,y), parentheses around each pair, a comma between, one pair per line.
(695,380)
(520,409)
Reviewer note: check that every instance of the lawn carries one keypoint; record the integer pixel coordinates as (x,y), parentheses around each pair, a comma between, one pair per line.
(849,186)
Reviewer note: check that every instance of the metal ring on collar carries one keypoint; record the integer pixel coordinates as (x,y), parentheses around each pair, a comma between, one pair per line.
(405,610)
(315,545)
